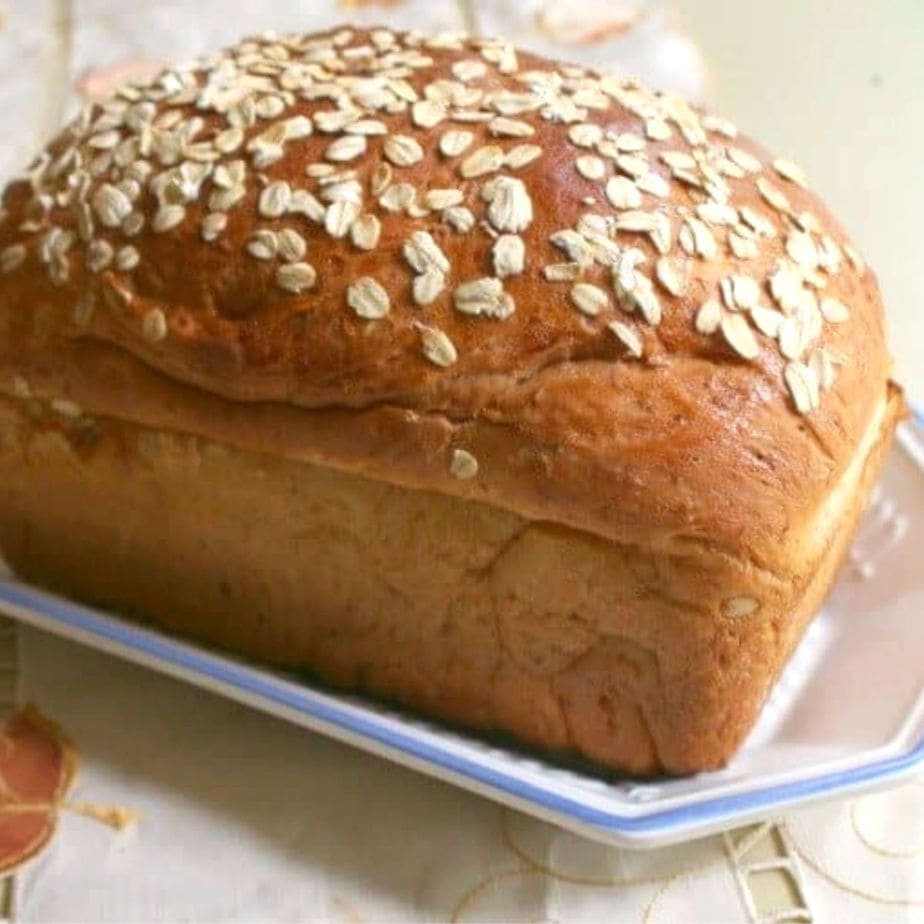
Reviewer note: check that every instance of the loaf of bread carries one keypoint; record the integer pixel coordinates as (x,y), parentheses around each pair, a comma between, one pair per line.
(490,386)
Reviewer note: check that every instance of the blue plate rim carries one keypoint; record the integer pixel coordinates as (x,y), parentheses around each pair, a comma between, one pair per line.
(248,680)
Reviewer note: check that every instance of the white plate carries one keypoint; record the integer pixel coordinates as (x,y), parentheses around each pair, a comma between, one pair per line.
(846,715)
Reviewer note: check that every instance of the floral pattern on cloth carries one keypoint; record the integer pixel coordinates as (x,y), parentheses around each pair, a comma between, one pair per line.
(37,770)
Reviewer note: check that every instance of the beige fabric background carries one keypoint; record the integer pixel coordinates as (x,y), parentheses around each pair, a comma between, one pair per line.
(247,818)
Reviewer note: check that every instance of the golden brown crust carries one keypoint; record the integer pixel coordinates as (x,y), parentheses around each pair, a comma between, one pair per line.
(211,315)
(602,310)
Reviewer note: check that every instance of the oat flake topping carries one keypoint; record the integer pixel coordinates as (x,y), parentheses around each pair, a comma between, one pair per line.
(197,147)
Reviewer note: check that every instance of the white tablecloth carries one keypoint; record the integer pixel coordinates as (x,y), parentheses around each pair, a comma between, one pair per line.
(243,817)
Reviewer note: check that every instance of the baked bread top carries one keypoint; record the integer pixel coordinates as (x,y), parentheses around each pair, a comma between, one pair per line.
(455,265)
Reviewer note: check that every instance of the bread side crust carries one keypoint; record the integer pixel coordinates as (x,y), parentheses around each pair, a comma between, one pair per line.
(618,653)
